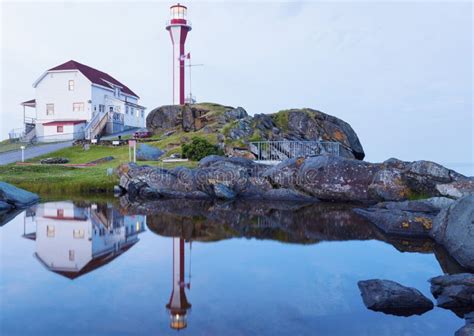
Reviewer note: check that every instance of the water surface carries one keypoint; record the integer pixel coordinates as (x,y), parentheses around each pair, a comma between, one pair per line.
(85,268)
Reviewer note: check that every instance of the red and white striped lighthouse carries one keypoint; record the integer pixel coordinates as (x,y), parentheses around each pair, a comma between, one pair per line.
(178,26)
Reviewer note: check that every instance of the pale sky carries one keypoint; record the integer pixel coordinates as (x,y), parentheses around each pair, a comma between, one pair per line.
(399,72)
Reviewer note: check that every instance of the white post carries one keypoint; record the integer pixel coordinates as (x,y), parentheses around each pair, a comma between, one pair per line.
(22,153)
(135,151)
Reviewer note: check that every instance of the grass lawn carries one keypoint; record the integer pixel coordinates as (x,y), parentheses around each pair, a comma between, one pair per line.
(52,180)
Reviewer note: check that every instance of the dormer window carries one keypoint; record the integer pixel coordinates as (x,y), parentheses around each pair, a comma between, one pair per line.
(71,85)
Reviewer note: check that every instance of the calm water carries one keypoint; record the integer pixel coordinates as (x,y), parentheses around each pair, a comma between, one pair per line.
(228,269)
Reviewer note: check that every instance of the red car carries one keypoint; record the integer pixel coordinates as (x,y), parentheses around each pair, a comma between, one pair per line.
(142,134)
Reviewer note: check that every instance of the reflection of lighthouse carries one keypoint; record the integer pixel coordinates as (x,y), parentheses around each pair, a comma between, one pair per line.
(178,27)
(178,305)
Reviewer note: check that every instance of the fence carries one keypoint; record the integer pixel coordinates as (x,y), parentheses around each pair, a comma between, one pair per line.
(281,150)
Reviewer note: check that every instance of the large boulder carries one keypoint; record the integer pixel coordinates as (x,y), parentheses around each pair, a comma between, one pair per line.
(454,229)
(390,297)
(457,189)
(454,292)
(148,153)
(16,197)
(335,178)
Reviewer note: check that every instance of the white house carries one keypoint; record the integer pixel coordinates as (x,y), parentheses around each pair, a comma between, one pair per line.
(73,240)
(75,101)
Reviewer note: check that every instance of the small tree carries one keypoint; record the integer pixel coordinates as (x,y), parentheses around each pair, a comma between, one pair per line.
(199,148)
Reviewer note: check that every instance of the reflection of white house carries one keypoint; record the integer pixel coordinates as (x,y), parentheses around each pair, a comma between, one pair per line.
(74,100)
(73,240)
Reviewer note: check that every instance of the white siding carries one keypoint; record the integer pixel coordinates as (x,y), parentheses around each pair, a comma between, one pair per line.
(54,89)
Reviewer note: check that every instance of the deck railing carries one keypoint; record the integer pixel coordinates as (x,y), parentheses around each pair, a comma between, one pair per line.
(281,150)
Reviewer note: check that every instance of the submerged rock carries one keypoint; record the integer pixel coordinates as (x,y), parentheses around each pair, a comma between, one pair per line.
(392,298)
(454,292)
(454,229)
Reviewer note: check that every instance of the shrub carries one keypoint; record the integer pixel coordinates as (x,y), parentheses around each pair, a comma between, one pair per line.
(199,148)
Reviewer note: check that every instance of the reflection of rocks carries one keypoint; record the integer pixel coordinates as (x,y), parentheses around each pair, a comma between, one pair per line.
(390,297)
(454,229)
(289,222)
(454,292)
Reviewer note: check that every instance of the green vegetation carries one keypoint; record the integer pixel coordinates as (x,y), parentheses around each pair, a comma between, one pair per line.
(199,148)
(55,180)
(281,119)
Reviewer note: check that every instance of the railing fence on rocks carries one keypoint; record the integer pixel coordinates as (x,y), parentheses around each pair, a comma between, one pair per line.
(281,150)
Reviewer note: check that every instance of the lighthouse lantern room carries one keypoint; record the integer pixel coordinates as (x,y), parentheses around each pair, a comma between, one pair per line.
(178,27)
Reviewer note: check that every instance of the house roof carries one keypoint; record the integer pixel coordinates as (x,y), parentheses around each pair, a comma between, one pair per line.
(64,122)
(95,76)
(31,102)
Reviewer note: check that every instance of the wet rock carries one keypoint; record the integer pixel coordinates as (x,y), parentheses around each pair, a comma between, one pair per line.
(16,197)
(392,298)
(54,160)
(223,192)
(148,153)
(453,228)
(454,292)
(399,222)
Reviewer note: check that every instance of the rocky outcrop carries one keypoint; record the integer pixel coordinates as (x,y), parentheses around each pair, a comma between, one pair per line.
(240,128)
(12,199)
(454,229)
(329,178)
(148,153)
(390,297)
(454,292)
(407,218)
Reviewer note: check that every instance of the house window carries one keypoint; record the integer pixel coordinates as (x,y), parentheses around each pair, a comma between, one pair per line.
(78,107)
(60,213)
(95,108)
(50,231)
(131,111)
(59,129)
(101,108)
(49,109)
(126,109)
(71,85)
(78,234)
(138,111)
(71,255)
(143,113)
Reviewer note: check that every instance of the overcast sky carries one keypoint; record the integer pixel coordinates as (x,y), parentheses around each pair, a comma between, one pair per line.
(399,73)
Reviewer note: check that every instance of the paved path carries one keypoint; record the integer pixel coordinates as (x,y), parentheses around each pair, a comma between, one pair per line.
(31,152)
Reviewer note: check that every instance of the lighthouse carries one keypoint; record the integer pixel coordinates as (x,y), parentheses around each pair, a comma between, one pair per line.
(178,305)
(178,27)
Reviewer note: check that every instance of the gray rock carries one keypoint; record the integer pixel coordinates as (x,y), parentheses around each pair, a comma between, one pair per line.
(468,329)
(223,192)
(236,113)
(54,160)
(399,222)
(336,178)
(457,189)
(454,229)
(392,298)
(424,176)
(454,292)
(17,197)
(389,185)
(148,153)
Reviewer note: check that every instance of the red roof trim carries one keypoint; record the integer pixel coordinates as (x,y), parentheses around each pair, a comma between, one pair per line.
(94,75)
(64,122)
